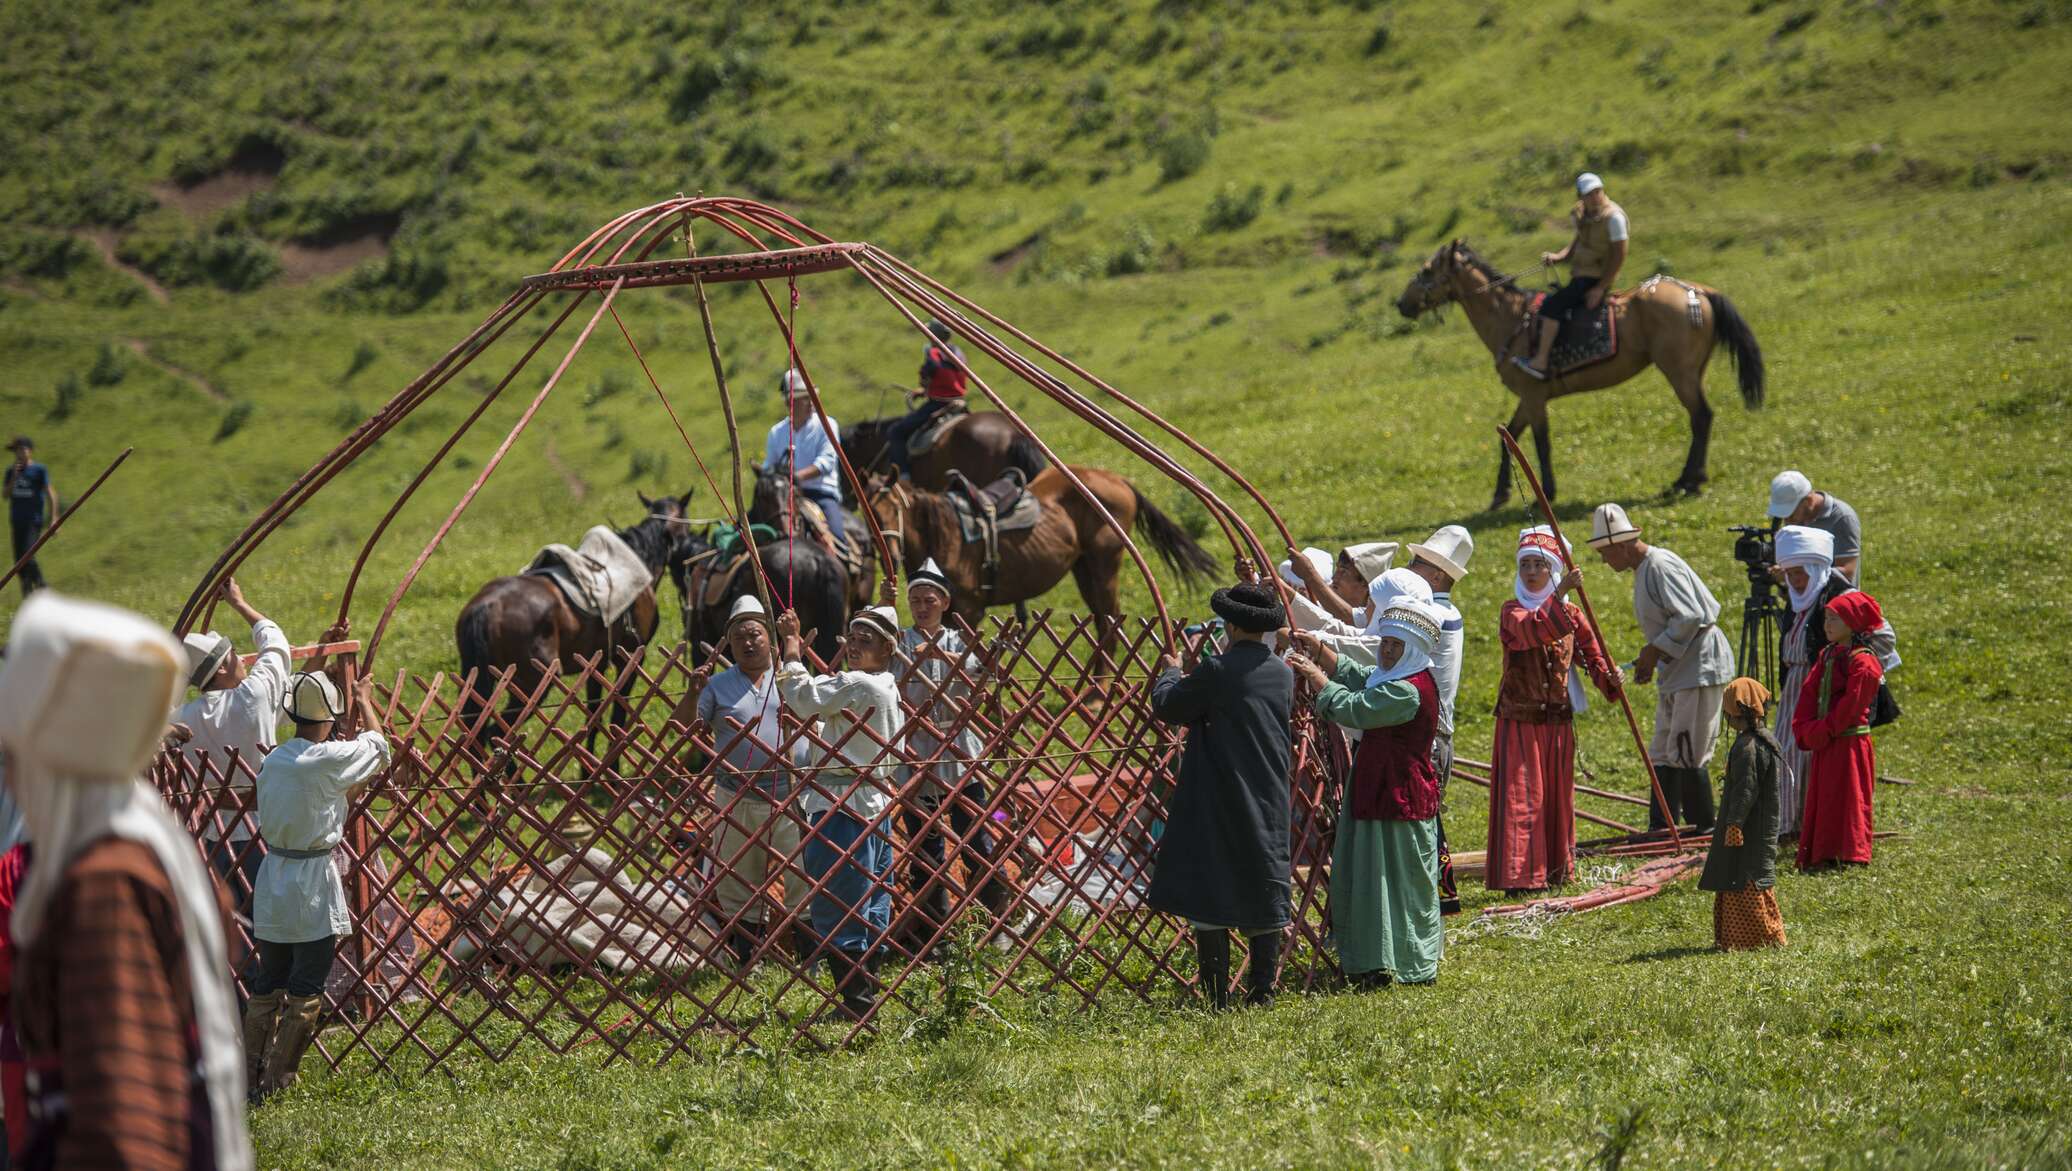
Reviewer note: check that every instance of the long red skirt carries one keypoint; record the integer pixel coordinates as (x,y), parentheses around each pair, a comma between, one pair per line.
(1532,802)
(1839,781)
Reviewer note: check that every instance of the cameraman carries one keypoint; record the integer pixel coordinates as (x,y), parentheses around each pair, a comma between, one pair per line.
(1794,502)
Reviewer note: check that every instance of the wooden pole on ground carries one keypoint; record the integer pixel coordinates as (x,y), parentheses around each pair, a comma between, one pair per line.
(1597,632)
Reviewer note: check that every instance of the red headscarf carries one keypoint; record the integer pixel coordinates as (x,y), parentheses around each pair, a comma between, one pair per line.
(1859,610)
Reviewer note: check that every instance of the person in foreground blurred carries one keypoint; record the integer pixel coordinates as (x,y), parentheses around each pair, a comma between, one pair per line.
(1741,866)
(1223,862)
(122,986)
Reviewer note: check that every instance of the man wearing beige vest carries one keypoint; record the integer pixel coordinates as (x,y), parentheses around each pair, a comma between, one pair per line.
(1594,258)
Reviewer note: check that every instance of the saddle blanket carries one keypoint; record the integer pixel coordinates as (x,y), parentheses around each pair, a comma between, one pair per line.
(1014,509)
(921,440)
(1585,339)
(602,576)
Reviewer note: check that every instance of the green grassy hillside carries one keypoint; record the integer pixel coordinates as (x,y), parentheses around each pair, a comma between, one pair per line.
(1215,206)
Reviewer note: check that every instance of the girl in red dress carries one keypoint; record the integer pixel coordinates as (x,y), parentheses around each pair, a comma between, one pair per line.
(1832,721)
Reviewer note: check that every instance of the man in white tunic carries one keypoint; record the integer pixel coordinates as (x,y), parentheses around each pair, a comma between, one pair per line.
(234,723)
(847,791)
(1687,657)
(299,910)
(1337,606)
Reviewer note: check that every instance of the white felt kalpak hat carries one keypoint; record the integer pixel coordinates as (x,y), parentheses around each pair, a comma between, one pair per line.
(313,698)
(1371,559)
(1609,526)
(205,655)
(1786,491)
(883,619)
(747,607)
(1449,549)
(1318,559)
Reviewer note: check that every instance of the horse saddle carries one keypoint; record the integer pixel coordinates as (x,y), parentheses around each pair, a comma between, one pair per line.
(1585,339)
(1003,506)
(603,576)
(926,435)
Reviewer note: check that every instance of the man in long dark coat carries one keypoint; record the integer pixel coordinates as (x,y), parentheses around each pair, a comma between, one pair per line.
(1223,863)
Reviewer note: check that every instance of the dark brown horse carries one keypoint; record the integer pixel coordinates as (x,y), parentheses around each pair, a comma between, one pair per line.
(526,623)
(1069,536)
(776,506)
(982,445)
(1659,324)
(803,577)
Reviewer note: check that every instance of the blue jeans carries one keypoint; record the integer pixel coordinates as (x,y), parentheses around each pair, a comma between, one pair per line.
(902,429)
(854,909)
(830,502)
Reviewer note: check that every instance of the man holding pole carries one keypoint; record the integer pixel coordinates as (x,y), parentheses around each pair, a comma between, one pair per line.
(1685,648)
(31,503)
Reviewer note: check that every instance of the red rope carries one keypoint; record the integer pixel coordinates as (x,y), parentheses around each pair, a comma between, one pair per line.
(791,456)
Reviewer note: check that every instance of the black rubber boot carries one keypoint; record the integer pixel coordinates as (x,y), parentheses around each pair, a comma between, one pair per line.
(1262,971)
(854,980)
(1671,781)
(1212,951)
(1697,798)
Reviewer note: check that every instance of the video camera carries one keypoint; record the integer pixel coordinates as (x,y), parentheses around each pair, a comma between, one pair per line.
(1756,550)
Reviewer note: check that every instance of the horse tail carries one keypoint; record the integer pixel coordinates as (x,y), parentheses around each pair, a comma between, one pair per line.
(471,632)
(1022,453)
(1187,558)
(1731,330)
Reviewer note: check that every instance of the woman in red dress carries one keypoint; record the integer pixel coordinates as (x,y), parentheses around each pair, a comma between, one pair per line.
(1832,721)
(1532,792)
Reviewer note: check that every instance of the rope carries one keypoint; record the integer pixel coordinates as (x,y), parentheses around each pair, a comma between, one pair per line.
(1504,280)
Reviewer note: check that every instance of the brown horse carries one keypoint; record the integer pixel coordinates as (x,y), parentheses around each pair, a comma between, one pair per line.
(1069,535)
(526,623)
(982,445)
(1657,325)
(776,505)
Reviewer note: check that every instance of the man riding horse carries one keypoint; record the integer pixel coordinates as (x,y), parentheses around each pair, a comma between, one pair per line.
(1594,256)
(943,376)
(803,451)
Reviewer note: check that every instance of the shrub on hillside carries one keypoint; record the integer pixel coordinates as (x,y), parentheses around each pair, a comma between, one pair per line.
(736,72)
(227,259)
(404,281)
(1181,154)
(1231,209)
(109,367)
(234,419)
(42,254)
(363,357)
(67,397)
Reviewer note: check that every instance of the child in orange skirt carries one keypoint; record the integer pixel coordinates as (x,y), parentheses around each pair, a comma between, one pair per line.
(1741,867)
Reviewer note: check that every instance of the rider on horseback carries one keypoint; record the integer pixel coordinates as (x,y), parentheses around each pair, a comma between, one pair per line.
(805,451)
(1594,257)
(943,376)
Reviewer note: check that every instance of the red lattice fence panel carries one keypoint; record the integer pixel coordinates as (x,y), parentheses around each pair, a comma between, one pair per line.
(533,870)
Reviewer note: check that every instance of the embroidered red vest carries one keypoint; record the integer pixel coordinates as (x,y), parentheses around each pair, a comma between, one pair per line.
(1393,778)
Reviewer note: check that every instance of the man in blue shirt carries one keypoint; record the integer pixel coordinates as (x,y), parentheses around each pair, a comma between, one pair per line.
(799,447)
(31,502)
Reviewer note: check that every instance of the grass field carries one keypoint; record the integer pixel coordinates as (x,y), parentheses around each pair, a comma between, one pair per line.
(1215,207)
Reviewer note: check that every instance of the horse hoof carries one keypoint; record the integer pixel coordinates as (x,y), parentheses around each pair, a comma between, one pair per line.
(1687,488)
(1498,501)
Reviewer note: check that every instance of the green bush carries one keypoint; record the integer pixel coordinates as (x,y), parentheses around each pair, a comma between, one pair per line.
(229,260)
(404,281)
(69,392)
(234,419)
(1181,154)
(1231,209)
(109,367)
(363,357)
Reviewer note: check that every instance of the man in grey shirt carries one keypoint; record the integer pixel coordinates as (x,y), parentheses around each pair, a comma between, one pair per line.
(757,830)
(1686,656)
(1793,501)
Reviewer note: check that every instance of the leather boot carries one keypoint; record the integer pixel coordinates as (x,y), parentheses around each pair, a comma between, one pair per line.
(855,981)
(262,1017)
(1212,955)
(1697,798)
(743,940)
(1262,971)
(1672,792)
(296,1033)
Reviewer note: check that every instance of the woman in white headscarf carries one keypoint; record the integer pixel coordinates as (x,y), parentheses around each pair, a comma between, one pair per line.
(1532,792)
(122,990)
(1385,861)
(1807,557)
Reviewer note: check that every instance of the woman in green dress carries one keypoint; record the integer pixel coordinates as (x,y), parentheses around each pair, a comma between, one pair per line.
(1385,861)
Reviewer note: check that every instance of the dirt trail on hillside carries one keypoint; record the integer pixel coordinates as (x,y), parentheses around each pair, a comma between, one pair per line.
(142,349)
(104,241)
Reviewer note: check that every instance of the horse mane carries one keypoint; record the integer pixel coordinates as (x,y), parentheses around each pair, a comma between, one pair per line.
(1473,260)
(651,539)
(936,522)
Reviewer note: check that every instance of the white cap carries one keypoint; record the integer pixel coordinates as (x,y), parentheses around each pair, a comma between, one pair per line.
(1609,526)
(1371,559)
(793,381)
(1318,559)
(747,606)
(205,655)
(1786,491)
(883,619)
(1449,549)
(1588,182)
(313,698)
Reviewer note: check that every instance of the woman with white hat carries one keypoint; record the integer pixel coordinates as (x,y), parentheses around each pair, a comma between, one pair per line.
(1385,862)
(1532,829)
(306,787)
(122,989)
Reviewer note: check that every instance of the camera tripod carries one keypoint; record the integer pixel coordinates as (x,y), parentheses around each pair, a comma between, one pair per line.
(1762,624)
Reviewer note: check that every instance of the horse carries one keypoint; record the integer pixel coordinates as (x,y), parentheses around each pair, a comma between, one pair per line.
(1069,534)
(1657,325)
(775,504)
(803,576)
(982,445)
(526,623)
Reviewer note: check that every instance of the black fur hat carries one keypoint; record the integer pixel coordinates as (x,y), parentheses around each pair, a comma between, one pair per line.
(1252,608)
